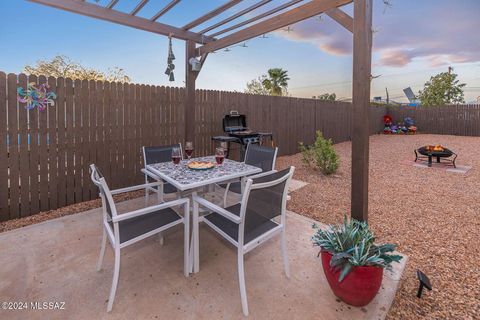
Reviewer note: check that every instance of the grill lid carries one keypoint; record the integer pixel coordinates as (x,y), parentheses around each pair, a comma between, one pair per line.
(234,122)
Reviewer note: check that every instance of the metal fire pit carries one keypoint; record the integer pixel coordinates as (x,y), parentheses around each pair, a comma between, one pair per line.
(427,154)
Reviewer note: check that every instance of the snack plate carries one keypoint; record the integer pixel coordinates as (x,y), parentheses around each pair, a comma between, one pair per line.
(207,165)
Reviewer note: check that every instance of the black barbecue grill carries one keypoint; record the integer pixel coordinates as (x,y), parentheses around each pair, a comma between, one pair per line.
(235,126)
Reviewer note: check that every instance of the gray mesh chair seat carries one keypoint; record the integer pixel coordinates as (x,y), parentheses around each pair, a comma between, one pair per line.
(249,223)
(258,224)
(135,227)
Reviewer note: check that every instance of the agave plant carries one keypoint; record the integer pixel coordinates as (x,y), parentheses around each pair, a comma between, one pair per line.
(352,244)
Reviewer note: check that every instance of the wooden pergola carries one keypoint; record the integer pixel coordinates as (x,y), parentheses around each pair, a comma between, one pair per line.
(199,44)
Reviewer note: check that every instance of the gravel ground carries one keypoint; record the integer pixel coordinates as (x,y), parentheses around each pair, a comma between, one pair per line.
(431,214)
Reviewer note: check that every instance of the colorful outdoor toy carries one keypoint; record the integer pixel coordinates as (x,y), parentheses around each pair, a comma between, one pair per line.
(407,127)
(34,96)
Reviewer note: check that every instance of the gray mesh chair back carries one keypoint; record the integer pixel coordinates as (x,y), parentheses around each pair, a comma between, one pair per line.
(159,154)
(266,202)
(96,176)
(261,157)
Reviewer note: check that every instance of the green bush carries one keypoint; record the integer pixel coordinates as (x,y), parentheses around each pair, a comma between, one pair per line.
(321,155)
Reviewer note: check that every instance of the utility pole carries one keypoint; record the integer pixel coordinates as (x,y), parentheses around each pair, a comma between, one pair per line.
(388,99)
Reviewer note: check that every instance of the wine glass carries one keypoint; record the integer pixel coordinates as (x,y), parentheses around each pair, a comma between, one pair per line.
(219,155)
(176,155)
(189,149)
(224,145)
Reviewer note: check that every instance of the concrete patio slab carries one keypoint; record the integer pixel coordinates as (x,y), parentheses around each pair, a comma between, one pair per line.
(54,261)
(296,185)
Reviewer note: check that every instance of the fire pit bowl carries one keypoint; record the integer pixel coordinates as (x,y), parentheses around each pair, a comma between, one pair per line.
(427,153)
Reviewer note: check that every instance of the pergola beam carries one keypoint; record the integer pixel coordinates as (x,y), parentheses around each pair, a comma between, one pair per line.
(190,77)
(362,67)
(167,8)
(260,16)
(98,12)
(138,7)
(341,17)
(211,14)
(297,14)
(235,16)
(112,4)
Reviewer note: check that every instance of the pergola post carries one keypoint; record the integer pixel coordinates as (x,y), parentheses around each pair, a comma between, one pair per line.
(362,63)
(190,77)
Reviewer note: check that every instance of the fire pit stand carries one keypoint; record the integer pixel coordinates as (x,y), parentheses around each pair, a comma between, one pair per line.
(427,155)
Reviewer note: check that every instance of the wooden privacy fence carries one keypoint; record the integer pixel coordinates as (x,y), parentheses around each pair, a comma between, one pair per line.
(461,120)
(289,119)
(44,155)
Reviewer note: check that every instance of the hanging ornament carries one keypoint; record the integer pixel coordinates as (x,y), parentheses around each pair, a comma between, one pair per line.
(40,97)
(171,57)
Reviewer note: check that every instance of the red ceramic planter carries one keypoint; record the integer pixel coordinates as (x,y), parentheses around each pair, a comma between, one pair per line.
(359,287)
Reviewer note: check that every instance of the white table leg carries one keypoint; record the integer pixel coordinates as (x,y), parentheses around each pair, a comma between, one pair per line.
(196,239)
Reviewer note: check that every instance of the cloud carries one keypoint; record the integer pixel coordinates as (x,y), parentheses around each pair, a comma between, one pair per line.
(437,31)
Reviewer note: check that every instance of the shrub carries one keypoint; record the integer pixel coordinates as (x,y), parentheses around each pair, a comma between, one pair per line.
(321,155)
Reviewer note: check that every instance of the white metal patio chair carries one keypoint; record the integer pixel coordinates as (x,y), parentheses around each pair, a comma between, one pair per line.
(124,229)
(248,224)
(256,155)
(158,154)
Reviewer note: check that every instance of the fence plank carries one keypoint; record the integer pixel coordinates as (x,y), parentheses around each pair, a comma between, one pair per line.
(13,150)
(70,147)
(24,153)
(4,178)
(34,161)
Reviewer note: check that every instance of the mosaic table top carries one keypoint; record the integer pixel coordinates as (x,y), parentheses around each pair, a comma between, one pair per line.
(184,178)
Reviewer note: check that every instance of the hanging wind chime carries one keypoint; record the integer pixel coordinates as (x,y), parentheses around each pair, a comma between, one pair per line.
(171,57)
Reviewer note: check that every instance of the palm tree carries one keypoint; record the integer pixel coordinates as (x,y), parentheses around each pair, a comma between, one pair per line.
(276,82)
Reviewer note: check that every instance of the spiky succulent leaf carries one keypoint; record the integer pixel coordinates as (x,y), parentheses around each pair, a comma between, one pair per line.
(352,244)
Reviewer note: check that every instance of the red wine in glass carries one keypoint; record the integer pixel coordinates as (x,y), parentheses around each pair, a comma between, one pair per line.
(176,160)
(189,149)
(219,159)
(219,155)
(176,155)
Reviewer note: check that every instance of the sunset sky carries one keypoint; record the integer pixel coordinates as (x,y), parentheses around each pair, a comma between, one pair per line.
(413,40)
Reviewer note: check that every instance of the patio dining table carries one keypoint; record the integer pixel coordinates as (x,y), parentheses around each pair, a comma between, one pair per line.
(186,179)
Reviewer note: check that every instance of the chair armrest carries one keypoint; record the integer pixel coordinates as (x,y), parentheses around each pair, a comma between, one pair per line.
(207,204)
(150,174)
(138,187)
(140,212)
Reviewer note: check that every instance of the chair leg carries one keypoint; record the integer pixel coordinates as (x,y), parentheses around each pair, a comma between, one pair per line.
(186,240)
(196,239)
(147,192)
(225,195)
(241,281)
(161,238)
(116,273)
(284,254)
(102,250)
